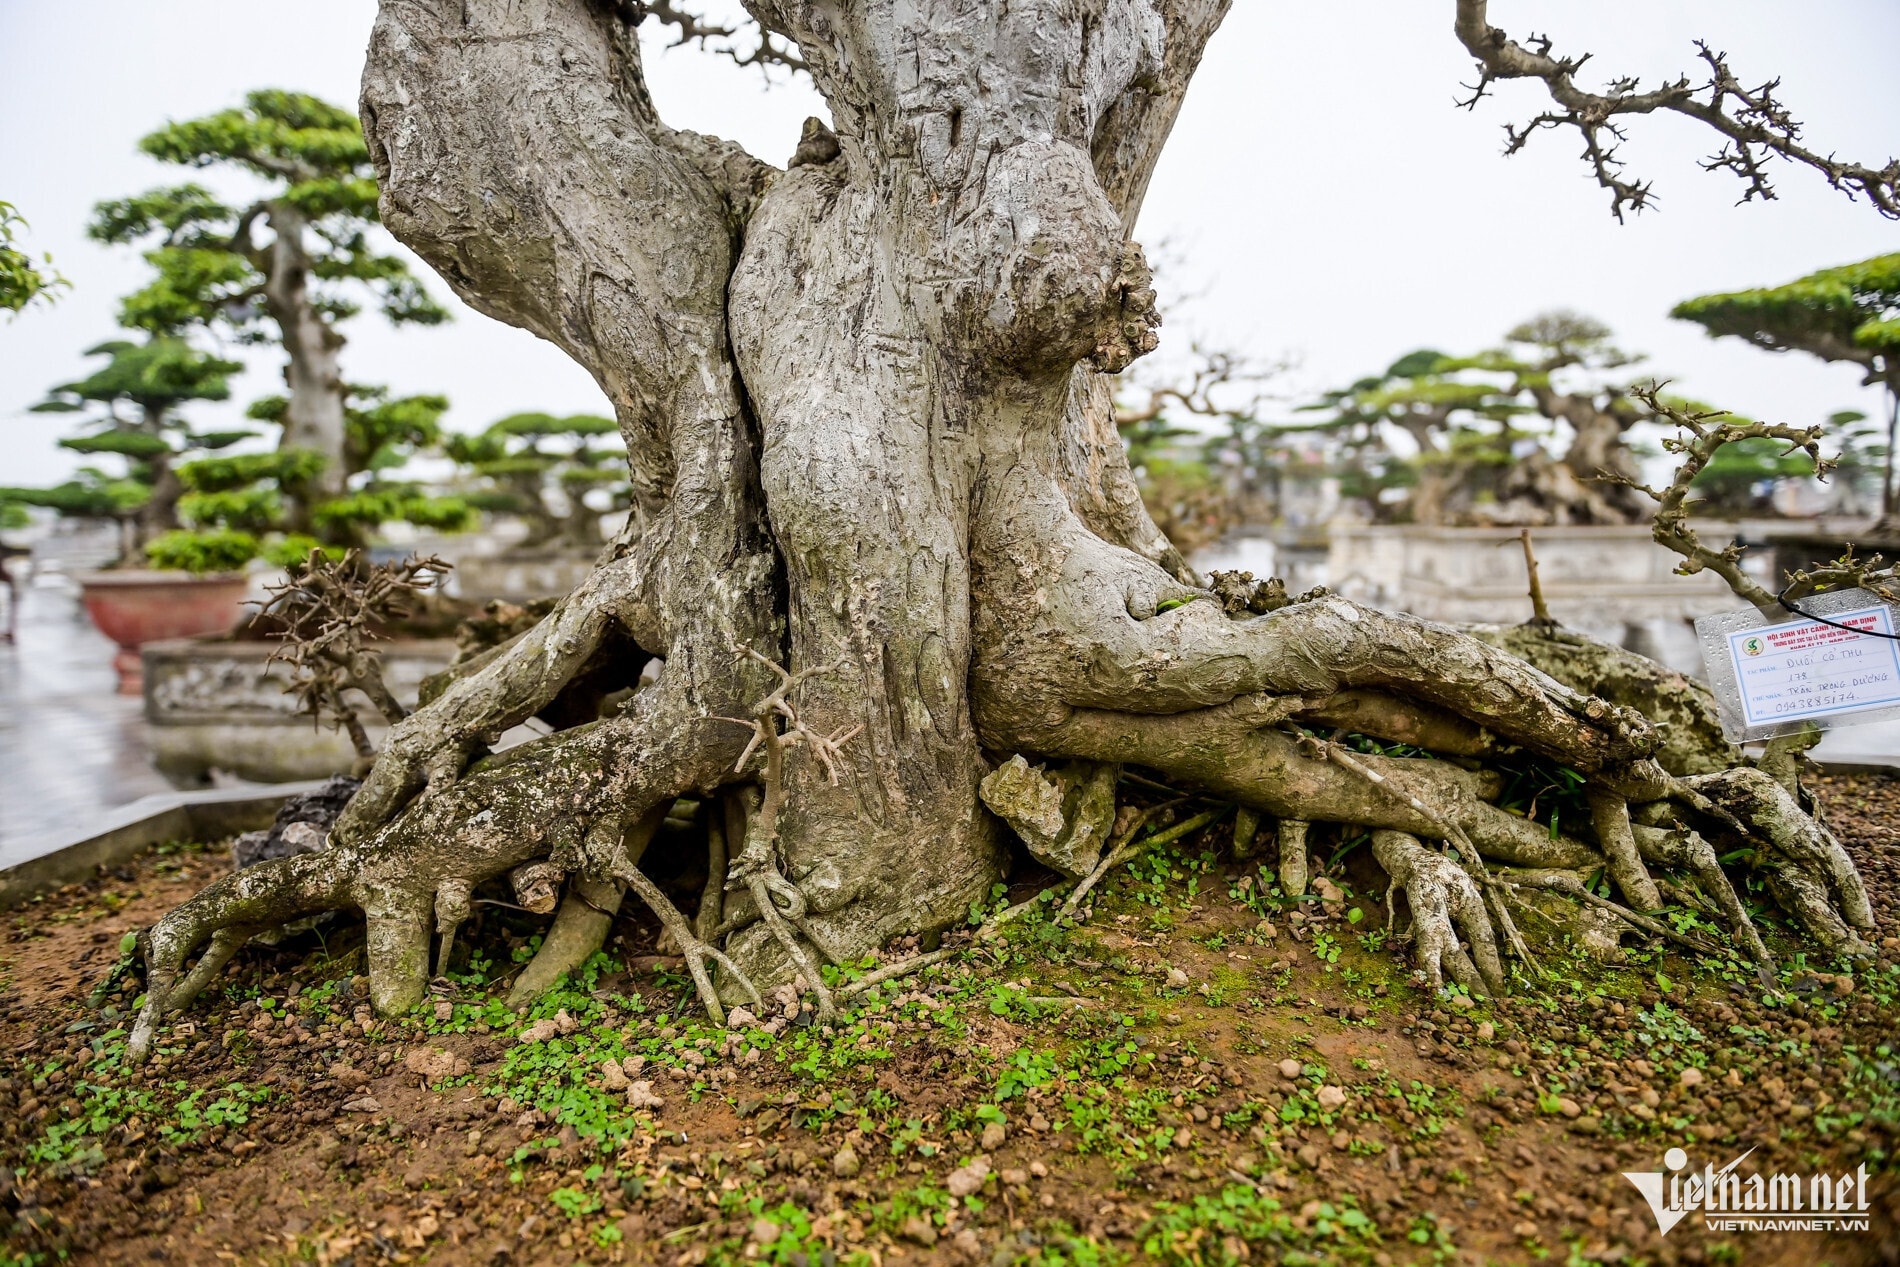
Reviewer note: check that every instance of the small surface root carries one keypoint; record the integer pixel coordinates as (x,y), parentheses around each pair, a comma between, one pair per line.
(1445,902)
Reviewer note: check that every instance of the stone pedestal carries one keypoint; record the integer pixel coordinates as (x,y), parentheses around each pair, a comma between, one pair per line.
(212,704)
(1612,583)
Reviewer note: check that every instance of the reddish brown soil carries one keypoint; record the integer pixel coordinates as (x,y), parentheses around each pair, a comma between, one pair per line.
(430,1175)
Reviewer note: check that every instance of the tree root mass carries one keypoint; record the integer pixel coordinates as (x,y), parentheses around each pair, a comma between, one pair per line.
(885,538)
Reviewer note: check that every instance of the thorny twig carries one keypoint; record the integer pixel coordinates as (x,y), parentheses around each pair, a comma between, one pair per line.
(780,903)
(1704,433)
(1755,125)
(330,610)
(770,50)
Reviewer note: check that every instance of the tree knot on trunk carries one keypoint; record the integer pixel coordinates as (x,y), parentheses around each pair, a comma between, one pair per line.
(1137,318)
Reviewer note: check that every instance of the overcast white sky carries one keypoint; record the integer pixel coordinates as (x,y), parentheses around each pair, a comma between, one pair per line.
(1321,190)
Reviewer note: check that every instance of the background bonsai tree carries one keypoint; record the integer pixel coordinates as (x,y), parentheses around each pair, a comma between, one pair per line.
(887,529)
(134,411)
(1850,313)
(1520,434)
(246,501)
(557,475)
(23,280)
(288,267)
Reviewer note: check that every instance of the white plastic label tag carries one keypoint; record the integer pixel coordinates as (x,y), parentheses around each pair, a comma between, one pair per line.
(1774,674)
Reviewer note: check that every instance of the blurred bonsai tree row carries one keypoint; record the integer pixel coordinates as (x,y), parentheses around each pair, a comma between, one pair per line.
(132,409)
(557,475)
(1516,434)
(1203,457)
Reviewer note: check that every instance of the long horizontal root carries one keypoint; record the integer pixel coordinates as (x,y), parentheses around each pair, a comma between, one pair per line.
(1267,770)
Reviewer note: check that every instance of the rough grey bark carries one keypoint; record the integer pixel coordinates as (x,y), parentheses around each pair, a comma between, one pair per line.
(872,442)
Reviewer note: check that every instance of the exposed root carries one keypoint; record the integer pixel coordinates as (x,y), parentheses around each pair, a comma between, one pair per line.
(579,929)
(1568,884)
(453,899)
(225,915)
(1687,850)
(768,890)
(1807,869)
(1246,832)
(778,901)
(1610,815)
(712,897)
(1445,901)
(1224,750)
(225,943)
(697,952)
(585,917)
(891,972)
(399,927)
(1124,847)
(1494,901)
(537,885)
(1291,835)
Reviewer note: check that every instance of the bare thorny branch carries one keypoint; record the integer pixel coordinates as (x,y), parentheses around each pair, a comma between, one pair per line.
(329,612)
(1701,435)
(769,49)
(1756,125)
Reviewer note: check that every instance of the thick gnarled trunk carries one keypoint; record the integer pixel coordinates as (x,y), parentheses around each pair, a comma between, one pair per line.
(868,424)
(932,280)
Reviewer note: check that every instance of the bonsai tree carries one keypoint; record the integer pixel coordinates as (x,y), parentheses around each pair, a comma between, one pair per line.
(288,267)
(1486,430)
(543,470)
(889,535)
(133,408)
(1850,313)
(23,280)
(244,501)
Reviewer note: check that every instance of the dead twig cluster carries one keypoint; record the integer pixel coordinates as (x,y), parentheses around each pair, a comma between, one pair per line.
(329,611)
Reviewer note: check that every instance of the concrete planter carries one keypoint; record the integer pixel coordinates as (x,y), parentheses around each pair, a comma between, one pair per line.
(212,704)
(50,862)
(1613,583)
(519,576)
(137,607)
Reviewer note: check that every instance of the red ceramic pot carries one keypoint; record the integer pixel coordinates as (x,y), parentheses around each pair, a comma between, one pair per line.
(135,607)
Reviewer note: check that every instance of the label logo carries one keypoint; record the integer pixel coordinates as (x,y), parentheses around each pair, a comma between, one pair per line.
(1729,1202)
(1752,646)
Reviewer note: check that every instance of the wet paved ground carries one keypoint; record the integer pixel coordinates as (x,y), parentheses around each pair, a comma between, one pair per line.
(70,747)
